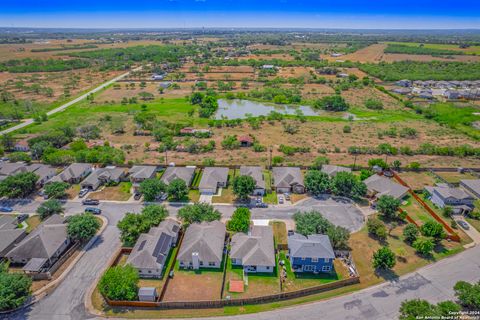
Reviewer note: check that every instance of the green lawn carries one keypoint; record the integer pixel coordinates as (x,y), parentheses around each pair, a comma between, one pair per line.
(416,211)
(475,50)
(271,198)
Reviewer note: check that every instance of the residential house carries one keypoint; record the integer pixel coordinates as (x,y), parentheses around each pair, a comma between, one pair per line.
(288,179)
(12,168)
(255,251)
(268,66)
(212,179)
(378,186)
(44,172)
(257,174)
(443,195)
(43,246)
(245,141)
(472,186)
(74,173)
(402,91)
(404,83)
(183,173)
(203,246)
(138,174)
(332,170)
(103,176)
(151,250)
(22,146)
(10,234)
(313,253)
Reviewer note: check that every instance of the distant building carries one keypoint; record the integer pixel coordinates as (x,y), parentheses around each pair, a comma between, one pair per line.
(404,83)
(245,141)
(22,146)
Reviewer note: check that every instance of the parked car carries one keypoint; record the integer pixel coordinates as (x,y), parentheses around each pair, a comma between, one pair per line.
(463,224)
(83,193)
(93,210)
(90,202)
(287,196)
(137,196)
(164,197)
(280,200)
(262,205)
(6,209)
(22,217)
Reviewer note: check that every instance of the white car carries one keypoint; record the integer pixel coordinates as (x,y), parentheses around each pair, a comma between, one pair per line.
(83,193)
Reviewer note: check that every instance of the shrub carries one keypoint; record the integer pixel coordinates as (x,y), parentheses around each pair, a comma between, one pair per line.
(240,221)
(198,212)
(410,233)
(120,283)
(374,104)
(332,103)
(423,245)
(388,206)
(82,227)
(432,229)
(377,228)
(384,258)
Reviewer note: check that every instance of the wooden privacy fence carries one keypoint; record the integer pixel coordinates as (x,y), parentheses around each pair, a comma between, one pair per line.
(206,304)
(452,234)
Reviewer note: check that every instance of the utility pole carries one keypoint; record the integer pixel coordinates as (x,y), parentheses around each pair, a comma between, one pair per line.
(166,157)
(270,152)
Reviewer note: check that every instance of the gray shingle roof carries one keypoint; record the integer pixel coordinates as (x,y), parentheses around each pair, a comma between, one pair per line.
(152,248)
(385,186)
(472,184)
(183,173)
(9,236)
(10,168)
(256,249)
(312,246)
(104,175)
(73,171)
(8,222)
(212,176)
(41,170)
(207,239)
(448,192)
(332,170)
(256,173)
(142,172)
(43,241)
(285,177)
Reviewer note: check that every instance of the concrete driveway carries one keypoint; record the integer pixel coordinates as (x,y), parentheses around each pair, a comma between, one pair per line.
(471,232)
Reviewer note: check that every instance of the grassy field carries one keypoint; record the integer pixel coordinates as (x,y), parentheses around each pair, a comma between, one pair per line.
(455,177)
(474,50)
(417,180)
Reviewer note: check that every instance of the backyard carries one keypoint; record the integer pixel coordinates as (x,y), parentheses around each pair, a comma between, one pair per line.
(120,192)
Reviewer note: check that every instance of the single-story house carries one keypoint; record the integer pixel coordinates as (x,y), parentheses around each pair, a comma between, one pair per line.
(44,172)
(202,246)
(472,186)
(12,168)
(257,174)
(74,173)
(404,83)
(103,176)
(255,252)
(378,186)
(10,235)
(147,294)
(245,141)
(268,66)
(313,253)
(22,146)
(150,253)
(332,170)
(183,173)
(288,179)
(43,246)
(212,179)
(443,195)
(137,174)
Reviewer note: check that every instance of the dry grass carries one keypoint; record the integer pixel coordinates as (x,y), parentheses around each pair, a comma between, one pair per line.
(118,193)
(418,180)
(279,232)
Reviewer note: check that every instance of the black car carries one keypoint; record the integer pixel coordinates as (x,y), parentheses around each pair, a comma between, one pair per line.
(137,196)
(22,217)
(90,202)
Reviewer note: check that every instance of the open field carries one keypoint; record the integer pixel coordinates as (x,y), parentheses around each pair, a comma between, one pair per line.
(455,177)
(418,180)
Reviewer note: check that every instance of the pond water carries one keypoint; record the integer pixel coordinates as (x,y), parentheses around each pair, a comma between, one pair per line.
(238,109)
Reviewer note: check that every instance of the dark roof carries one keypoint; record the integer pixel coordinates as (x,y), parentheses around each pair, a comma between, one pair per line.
(312,246)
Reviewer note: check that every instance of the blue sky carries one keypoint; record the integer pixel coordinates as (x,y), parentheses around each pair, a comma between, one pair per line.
(372,14)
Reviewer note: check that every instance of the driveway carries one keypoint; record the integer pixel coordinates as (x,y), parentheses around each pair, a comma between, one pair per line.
(471,232)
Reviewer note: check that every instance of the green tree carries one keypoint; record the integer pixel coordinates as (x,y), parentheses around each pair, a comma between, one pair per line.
(319,162)
(384,258)
(346,184)
(177,189)
(56,190)
(388,206)
(49,208)
(230,143)
(377,162)
(120,283)
(332,103)
(152,188)
(377,228)
(19,185)
(131,226)
(410,233)
(154,214)
(433,229)
(243,186)
(240,221)
(199,212)
(422,309)
(468,294)
(317,182)
(82,227)
(423,245)
(14,288)
(20,157)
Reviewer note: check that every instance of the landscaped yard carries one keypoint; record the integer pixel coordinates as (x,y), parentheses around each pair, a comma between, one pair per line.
(416,211)
(194,195)
(190,285)
(294,197)
(73,191)
(226,196)
(270,198)
(297,281)
(259,284)
(121,192)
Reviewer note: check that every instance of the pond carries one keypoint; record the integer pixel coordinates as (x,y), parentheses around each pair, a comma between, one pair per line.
(239,109)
